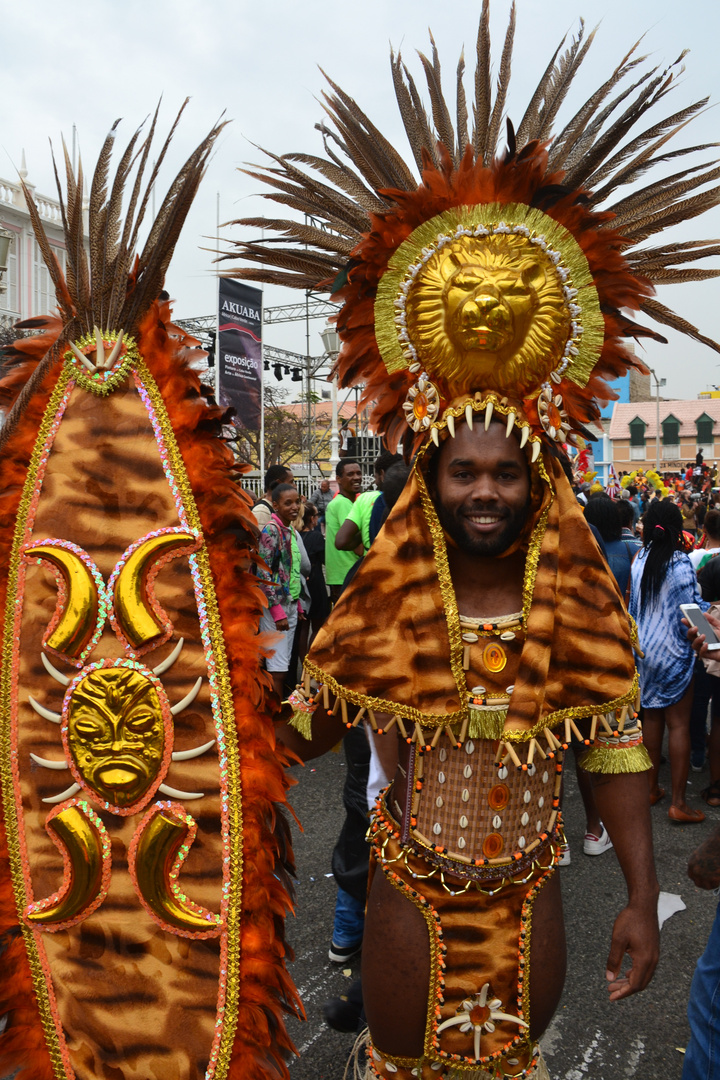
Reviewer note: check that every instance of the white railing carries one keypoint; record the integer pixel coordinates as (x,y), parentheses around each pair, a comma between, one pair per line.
(7,192)
(11,194)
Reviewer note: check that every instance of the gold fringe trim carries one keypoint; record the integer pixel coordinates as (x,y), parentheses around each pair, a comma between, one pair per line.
(487,723)
(621,759)
(302,722)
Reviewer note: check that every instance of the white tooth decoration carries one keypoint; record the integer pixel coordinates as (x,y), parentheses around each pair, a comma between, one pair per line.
(115,351)
(451,425)
(51,670)
(100,348)
(82,358)
(48,764)
(188,699)
(169,660)
(66,794)
(176,793)
(469,415)
(488,414)
(535,451)
(510,423)
(187,755)
(524,436)
(46,714)
(435,436)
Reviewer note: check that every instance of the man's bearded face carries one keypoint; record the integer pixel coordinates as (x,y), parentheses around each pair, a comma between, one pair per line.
(482,490)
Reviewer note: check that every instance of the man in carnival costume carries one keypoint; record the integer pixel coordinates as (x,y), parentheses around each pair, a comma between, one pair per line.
(483,308)
(143,858)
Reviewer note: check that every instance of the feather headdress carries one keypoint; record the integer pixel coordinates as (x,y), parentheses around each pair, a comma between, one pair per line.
(131,671)
(502,276)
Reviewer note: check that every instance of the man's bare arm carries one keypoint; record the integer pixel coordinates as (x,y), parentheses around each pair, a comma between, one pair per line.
(348,536)
(623,803)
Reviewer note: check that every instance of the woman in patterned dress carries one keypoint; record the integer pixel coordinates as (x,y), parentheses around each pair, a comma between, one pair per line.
(662,578)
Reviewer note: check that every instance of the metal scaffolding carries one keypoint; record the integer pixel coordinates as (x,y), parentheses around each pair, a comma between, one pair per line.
(316,442)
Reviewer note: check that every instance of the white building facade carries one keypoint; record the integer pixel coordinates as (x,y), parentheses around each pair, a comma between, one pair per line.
(25,287)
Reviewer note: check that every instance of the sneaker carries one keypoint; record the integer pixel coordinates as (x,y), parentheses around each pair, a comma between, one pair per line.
(345,1013)
(595,845)
(339,954)
(564,859)
(697,761)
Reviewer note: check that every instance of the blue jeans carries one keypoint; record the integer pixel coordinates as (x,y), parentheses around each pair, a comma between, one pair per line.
(702,1057)
(349,920)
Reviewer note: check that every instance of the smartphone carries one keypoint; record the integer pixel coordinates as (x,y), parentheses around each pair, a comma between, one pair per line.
(695,617)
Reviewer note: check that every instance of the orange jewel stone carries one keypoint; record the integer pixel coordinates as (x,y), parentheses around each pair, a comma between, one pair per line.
(553,415)
(479,1014)
(421,406)
(498,796)
(492,846)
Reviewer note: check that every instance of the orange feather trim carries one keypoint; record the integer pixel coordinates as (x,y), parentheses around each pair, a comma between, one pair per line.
(520,179)
(267,993)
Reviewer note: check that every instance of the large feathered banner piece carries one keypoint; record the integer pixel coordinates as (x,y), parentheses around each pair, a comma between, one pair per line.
(144,855)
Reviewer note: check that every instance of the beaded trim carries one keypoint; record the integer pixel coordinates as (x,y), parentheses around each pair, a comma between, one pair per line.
(513,870)
(224,717)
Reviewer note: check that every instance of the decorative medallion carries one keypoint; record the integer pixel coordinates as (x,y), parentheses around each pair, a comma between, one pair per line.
(422,404)
(494,657)
(553,416)
(493,845)
(480,1014)
(498,797)
(101,361)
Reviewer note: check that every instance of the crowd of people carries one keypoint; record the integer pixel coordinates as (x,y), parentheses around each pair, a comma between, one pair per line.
(660,537)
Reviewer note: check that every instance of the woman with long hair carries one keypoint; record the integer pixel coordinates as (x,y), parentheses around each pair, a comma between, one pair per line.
(662,578)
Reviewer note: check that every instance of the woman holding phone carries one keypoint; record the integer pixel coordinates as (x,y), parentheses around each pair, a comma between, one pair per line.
(661,579)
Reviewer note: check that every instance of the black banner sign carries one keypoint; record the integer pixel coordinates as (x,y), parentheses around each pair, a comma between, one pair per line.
(239,351)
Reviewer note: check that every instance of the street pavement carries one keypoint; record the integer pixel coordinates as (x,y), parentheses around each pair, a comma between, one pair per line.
(589,1038)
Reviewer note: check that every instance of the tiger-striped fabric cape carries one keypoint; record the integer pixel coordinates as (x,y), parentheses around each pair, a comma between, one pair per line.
(393,642)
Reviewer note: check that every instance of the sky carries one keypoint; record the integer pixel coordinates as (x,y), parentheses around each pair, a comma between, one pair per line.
(88,62)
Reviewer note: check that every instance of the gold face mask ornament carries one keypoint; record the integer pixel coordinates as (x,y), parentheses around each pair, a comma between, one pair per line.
(146,672)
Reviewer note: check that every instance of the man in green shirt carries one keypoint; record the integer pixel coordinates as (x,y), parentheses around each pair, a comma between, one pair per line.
(356,527)
(338,563)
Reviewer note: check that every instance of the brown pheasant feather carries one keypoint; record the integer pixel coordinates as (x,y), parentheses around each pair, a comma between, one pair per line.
(101,287)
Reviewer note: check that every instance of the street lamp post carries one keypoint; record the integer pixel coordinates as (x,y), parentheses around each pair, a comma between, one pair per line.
(658,384)
(331,344)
